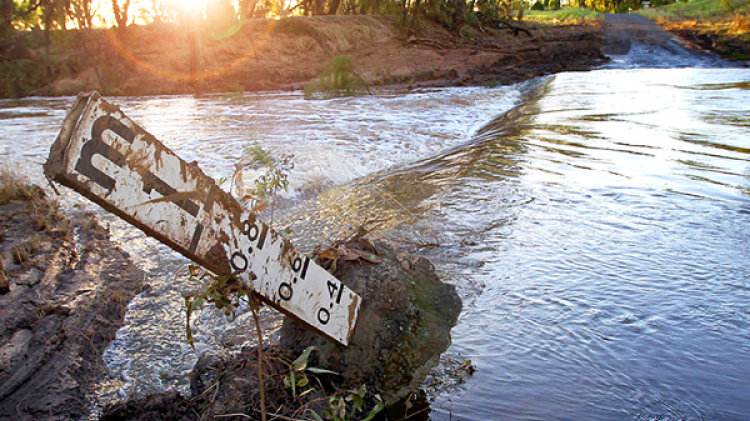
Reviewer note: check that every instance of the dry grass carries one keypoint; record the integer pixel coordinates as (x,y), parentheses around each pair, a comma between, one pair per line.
(45,212)
(12,187)
(4,283)
(23,253)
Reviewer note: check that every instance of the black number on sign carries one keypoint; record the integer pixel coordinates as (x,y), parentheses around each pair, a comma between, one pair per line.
(297,264)
(238,262)
(285,291)
(304,267)
(341,290)
(324,316)
(332,288)
(250,229)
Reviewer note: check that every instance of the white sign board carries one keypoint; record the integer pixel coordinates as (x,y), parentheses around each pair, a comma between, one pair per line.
(105,156)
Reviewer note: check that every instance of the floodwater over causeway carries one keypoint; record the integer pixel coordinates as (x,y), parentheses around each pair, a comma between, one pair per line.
(596,224)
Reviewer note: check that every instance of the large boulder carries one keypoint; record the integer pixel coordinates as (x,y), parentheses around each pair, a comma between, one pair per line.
(403,326)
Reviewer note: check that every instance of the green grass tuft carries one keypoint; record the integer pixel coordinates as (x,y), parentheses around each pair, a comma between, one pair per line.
(568,16)
(703,10)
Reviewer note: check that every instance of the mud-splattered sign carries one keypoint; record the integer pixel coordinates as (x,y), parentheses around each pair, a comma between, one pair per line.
(106,157)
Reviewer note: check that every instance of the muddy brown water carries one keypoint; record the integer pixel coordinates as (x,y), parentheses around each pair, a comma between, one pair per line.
(598,232)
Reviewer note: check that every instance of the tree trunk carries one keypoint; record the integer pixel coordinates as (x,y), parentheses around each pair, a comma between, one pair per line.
(48,11)
(319,7)
(7,9)
(333,8)
(415,13)
(248,8)
(88,18)
(121,16)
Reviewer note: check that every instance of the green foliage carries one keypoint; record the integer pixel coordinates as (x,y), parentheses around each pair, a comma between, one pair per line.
(273,179)
(564,16)
(338,79)
(538,5)
(705,10)
(346,407)
(339,75)
(343,405)
(21,78)
(225,292)
(298,378)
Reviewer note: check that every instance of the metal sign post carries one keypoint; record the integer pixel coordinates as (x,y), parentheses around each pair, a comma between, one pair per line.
(106,157)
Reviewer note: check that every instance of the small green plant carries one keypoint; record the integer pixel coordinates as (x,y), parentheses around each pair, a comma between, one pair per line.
(494,83)
(225,292)
(298,374)
(337,79)
(273,180)
(343,405)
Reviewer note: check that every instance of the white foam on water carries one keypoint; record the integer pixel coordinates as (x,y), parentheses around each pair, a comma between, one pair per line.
(334,142)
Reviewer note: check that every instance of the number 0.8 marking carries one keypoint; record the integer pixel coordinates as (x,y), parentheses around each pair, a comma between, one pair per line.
(238,261)
(285,291)
(251,230)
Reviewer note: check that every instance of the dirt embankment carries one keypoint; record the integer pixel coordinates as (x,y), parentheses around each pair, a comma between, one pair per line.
(721,42)
(289,53)
(63,294)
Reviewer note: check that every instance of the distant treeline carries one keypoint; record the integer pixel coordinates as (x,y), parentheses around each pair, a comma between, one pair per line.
(56,47)
(46,15)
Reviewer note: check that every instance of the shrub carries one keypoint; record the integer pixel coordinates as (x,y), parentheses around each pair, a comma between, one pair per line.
(338,79)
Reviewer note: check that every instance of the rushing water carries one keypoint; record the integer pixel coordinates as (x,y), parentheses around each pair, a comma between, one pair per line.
(596,224)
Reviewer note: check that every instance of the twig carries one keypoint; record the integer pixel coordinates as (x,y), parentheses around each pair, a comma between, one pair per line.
(51,184)
(254,307)
(283,417)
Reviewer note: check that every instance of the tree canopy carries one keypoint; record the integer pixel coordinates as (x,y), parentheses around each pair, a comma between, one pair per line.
(16,15)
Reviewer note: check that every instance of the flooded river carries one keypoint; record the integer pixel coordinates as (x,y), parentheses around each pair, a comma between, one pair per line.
(597,226)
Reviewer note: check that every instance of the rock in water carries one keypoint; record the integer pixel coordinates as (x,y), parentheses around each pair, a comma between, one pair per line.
(404,323)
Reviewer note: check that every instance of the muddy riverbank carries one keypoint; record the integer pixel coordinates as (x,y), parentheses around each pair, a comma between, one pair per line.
(290,53)
(64,295)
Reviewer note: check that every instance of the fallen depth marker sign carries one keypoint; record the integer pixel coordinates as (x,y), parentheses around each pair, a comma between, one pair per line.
(106,157)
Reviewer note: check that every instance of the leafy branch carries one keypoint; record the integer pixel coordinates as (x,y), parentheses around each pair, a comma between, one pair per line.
(224,292)
(267,186)
(342,406)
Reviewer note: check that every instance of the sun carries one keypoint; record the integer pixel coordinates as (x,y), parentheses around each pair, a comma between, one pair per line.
(190,5)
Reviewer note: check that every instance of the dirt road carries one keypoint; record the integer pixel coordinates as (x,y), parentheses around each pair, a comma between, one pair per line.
(634,41)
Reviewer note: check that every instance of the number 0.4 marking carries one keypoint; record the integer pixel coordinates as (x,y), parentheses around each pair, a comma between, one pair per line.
(323,316)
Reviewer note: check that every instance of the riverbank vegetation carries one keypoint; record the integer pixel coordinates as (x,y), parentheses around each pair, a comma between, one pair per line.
(566,16)
(721,26)
(119,47)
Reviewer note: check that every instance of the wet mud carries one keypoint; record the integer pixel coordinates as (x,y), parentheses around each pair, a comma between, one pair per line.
(67,292)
